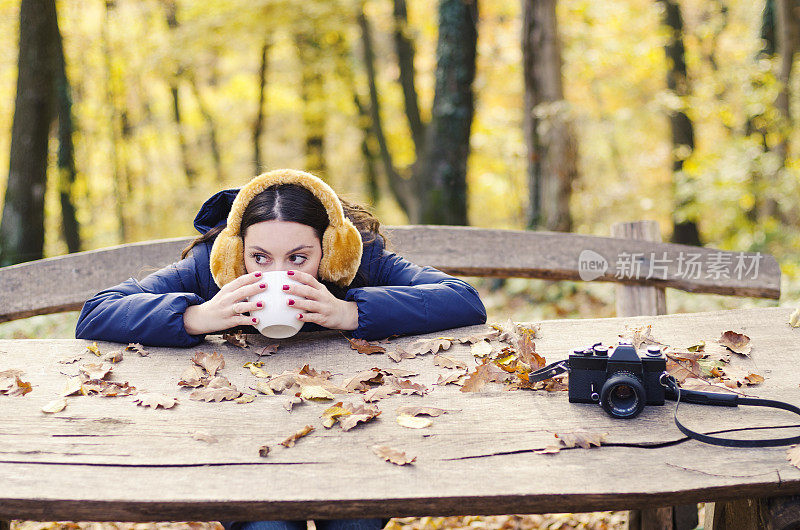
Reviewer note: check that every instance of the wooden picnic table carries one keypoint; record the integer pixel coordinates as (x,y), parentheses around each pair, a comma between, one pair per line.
(108,459)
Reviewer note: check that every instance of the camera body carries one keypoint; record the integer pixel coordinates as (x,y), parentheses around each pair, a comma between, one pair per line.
(619,380)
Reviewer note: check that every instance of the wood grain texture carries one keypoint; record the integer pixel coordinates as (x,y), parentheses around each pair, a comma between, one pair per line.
(636,300)
(108,459)
(28,289)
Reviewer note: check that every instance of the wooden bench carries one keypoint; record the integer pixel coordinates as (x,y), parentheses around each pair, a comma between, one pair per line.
(635,259)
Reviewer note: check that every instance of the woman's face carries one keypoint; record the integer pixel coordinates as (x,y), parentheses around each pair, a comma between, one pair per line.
(281,246)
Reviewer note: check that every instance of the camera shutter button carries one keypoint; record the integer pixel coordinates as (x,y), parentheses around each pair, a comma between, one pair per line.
(654,351)
(601,351)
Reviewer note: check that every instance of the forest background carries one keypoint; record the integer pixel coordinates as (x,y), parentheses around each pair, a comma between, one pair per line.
(680,112)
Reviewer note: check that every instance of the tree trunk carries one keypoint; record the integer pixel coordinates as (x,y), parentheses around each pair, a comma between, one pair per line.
(552,151)
(258,126)
(66,153)
(684,229)
(440,173)
(22,224)
(405,57)
(312,92)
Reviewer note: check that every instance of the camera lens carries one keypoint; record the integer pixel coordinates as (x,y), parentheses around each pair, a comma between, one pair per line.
(622,395)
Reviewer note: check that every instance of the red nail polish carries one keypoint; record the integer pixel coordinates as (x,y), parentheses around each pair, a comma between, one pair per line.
(300,316)
(255,320)
(263,285)
(258,275)
(285,287)
(291,302)
(259,304)
(290,273)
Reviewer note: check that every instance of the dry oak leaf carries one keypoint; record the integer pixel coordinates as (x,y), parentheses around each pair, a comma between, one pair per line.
(452,379)
(210,362)
(113,357)
(94,349)
(736,342)
(366,347)
(399,354)
(194,376)
(315,392)
(57,405)
(12,385)
(380,392)
(292,401)
(639,335)
(358,413)
(236,338)
(481,349)
(218,389)
(412,422)
(399,372)
(416,411)
(290,441)
(360,381)
(70,360)
(72,386)
(269,349)
(107,388)
(245,398)
(392,455)
(155,400)
(581,438)
(483,374)
(406,387)
(705,386)
(307,370)
(425,346)
(331,415)
(448,362)
(263,387)
(478,337)
(793,455)
(138,348)
(96,371)
(794,318)
(256,370)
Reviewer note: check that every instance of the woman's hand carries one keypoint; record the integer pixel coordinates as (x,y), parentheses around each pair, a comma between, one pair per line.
(225,310)
(320,306)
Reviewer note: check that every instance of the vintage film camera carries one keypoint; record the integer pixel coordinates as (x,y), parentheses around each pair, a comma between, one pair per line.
(619,380)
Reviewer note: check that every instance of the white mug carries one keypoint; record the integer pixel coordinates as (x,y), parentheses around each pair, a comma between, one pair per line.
(277,319)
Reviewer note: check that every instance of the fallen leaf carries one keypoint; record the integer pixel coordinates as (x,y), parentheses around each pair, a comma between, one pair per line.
(699,347)
(412,422)
(210,362)
(204,437)
(263,451)
(580,438)
(331,414)
(481,349)
(736,342)
(194,376)
(416,411)
(290,441)
(218,389)
(365,347)
(793,455)
(245,398)
(94,349)
(307,370)
(794,318)
(314,392)
(72,386)
(155,400)
(57,405)
(426,346)
(448,362)
(236,338)
(392,455)
(380,392)
(639,335)
(138,348)
(106,388)
(263,387)
(549,450)
(358,413)
(399,372)
(96,371)
(291,402)
(12,385)
(478,337)
(70,360)
(113,357)
(483,374)
(360,381)
(269,349)
(256,370)
(399,354)
(451,379)
(406,387)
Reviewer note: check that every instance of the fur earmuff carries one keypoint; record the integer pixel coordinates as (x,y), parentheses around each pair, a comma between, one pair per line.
(341,243)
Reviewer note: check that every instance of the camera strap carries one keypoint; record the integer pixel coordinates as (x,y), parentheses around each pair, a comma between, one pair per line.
(677,393)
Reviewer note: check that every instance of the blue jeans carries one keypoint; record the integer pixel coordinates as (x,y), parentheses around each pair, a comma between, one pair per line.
(322,524)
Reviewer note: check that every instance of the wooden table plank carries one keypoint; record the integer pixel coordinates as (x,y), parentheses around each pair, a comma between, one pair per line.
(107,459)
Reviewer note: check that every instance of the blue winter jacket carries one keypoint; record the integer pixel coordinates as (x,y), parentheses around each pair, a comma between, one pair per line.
(394,296)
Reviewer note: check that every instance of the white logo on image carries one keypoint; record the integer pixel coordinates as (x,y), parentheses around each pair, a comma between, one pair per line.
(591,265)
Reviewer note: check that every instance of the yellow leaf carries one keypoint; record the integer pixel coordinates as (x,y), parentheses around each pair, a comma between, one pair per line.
(94,349)
(413,422)
(794,320)
(481,349)
(314,392)
(264,388)
(331,415)
(256,370)
(245,398)
(57,405)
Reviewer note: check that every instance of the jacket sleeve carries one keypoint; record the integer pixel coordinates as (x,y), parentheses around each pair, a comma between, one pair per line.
(403,298)
(149,311)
